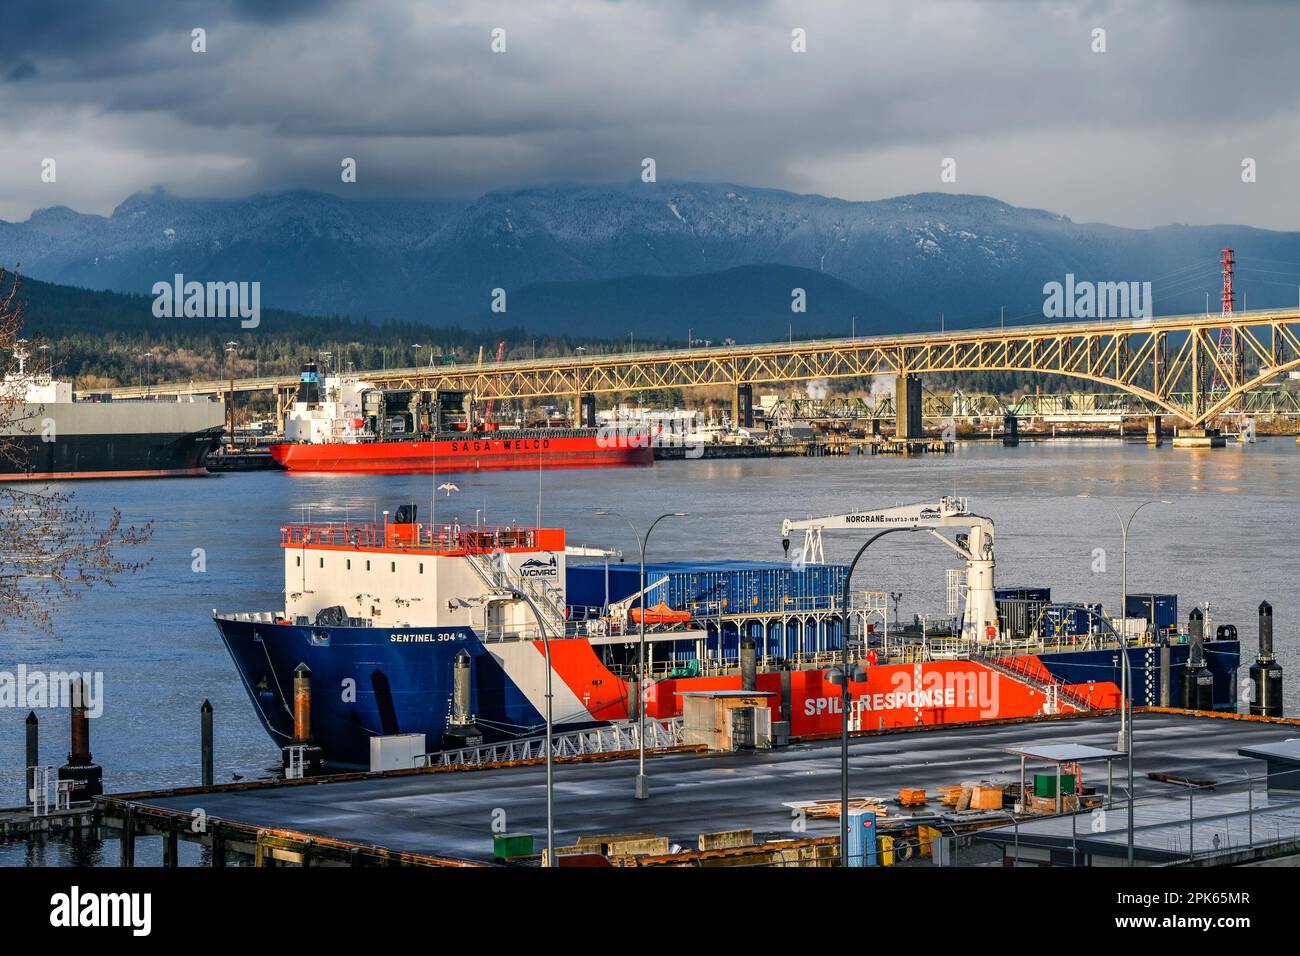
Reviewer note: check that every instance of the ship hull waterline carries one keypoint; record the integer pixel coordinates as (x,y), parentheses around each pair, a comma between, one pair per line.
(399,680)
(76,457)
(458,455)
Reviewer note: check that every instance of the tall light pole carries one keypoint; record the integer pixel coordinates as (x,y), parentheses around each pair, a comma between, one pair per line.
(148,374)
(843,677)
(642,791)
(1125,704)
(231,349)
(1124,523)
(550,788)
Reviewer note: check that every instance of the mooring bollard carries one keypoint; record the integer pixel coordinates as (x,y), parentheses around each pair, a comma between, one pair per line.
(1198,681)
(205,734)
(33,754)
(748,664)
(302,704)
(87,776)
(301,757)
(1266,672)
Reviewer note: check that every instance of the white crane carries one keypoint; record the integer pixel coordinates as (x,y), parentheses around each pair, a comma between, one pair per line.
(975,545)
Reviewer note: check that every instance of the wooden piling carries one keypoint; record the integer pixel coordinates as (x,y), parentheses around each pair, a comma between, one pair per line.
(127,842)
(205,734)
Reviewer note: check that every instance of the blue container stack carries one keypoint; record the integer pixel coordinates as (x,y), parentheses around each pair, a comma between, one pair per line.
(1067,620)
(710,589)
(1160,611)
(1041,595)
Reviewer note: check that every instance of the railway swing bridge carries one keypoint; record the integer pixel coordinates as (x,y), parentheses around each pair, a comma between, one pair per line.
(1193,368)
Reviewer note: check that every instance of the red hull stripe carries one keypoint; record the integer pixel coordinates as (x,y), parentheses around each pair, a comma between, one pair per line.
(894,695)
(474,454)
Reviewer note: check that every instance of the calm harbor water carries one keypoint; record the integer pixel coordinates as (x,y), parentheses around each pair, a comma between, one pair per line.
(1228,539)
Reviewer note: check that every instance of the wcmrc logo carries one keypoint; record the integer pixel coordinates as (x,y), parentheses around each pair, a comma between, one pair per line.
(540,568)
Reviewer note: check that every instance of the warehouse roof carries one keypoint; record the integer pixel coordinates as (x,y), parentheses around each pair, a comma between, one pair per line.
(1281,750)
(1166,829)
(1062,753)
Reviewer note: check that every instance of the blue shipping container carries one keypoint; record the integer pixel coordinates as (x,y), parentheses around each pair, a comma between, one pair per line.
(712,588)
(1043,595)
(1066,620)
(1159,610)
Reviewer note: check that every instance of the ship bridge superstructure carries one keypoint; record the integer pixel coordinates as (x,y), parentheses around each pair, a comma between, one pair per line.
(406,574)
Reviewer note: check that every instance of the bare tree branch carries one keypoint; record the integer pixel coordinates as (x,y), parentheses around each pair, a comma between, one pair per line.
(51,551)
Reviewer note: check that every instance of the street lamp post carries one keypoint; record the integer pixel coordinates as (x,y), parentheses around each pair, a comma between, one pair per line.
(642,791)
(550,789)
(1125,742)
(844,677)
(231,350)
(1123,600)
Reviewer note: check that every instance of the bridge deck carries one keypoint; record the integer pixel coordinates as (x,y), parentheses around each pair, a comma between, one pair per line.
(1158,359)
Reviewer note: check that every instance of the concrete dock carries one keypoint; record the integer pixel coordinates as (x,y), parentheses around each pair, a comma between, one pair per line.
(448,816)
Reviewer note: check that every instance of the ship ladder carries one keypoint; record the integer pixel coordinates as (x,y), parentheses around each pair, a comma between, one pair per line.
(1040,679)
(500,583)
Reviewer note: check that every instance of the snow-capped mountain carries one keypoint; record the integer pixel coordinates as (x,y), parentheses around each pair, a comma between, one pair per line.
(571,257)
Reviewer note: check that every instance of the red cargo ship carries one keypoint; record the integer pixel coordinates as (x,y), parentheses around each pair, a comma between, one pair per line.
(467,451)
(351,426)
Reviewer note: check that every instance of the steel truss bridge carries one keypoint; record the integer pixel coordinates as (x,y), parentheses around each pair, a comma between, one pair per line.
(1176,364)
(974,407)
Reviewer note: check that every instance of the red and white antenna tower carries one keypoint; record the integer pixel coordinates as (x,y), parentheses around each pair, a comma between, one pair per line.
(1227,262)
(1227,336)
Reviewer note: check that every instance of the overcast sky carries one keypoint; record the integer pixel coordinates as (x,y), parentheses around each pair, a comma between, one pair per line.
(1152,131)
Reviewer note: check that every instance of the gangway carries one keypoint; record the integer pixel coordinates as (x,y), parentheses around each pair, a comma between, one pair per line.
(1040,679)
(611,738)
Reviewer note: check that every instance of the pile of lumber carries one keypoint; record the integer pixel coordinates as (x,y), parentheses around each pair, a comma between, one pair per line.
(1069,803)
(972,796)
(830,809)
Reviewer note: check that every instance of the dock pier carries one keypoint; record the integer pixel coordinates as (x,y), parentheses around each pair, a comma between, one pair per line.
(705,811)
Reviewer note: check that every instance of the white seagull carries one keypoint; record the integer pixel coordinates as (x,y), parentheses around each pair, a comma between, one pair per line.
(448,487)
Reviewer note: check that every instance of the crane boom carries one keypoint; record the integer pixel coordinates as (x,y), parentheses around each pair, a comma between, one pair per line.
(975,546)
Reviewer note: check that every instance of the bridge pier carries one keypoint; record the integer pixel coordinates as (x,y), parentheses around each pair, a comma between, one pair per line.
(1010,431)
(284,399)
(1199,438)
(907,408)
(586,410)
(1153,431)
(742,405)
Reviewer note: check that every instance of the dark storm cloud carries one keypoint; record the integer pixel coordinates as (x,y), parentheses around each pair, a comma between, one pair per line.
(68,27)
(1152,130)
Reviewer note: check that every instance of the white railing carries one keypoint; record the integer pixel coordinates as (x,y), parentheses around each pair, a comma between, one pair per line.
(499,580)
(610,738)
